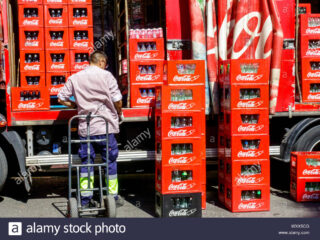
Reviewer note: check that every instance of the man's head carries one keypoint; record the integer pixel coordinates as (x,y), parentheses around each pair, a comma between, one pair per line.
(99,59)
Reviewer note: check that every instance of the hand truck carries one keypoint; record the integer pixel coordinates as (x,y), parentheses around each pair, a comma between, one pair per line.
(107,202)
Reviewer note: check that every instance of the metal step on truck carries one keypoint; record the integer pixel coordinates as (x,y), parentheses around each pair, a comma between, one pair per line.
(31,140)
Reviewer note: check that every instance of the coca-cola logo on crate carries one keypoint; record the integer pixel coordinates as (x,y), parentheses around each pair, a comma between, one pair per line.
(313,52)
(32,67)
(80,22)
(313,97)
(248,180)
(249,104)
(148,77)
(56,44)
(312,172)
(58,66)
(181,186)
(249,77)
(185,78)
(80,67)
(313,31)
(31,44)
(182,212)
(181,106)
(55,90)
(55,21)
(30,105)
(251,205)
(31,22)
(181,133)
(145,55)
(250,154)
(313,196)
(313,75)
(81,44)
(182,160)
(250,128)
(145,100)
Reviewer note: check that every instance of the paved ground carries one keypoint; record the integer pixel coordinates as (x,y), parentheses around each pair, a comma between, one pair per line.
(48,199)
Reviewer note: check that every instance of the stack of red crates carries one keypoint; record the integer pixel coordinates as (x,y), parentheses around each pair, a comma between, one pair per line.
(243,139)
(180,141)
(305,176)
(146,70)
(31,95)
(310,57)
(56,44)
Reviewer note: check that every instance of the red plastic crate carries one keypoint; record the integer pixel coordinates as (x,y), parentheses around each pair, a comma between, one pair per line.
(287,12)
(310,93)
(221,144)
(165,156)
(40,75)
(235,172)
(167,98)
(305,50)
(138,76)
(221,166)
(221,190)
(157,54)
(235,203)
(237,151)
(54,65)
(233,100)
(286,94)
(79,2)
(247,121)
(204,171)
(307,6)
(186,72)
(52,2)
(29,2)
(27,40)
(138,100)
(33,66)
(31,105)
(203,196)
(301,168)
(308,26)
(191,120)
(50,20)
(165,185)
(80,21)
(288,55)
(55,89)
(78,66)
(82,42)
(52,40)
(301,192)
(33,21)
(242,71)
(310,69)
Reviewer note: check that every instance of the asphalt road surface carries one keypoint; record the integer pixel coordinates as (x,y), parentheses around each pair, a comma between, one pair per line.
(48,199)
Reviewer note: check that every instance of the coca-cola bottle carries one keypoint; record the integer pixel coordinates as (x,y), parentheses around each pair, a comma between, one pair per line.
(26,96)
(184,149)
(303,10)
(173,122)
(54,58)
(53,35)
(60,35)
(176,176)
(189,122)
(27,13)
(34,12)
(150,93)
(21,96)
(77,35)
(144,93)
(54,80)
(33,95)
(28,36)
(59,12)
(85,57)
(83,12)
(28,58)
(38,95)
(76,13)
(177,123)
(62,79)
(245,145)
(36,57)
(52,12)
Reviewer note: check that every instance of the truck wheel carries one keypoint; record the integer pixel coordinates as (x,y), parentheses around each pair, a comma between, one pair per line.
(3,169)
(309,141)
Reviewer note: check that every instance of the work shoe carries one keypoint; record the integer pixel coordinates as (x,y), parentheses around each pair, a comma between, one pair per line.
(119,201)
(91,204)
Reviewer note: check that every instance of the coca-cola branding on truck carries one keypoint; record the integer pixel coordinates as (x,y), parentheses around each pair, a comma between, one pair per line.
(249,104)
(32,67)
(182,212)
(181,160)
(30,105)
(311,196)
(148,77)
(250,128)
(249,77)
(181,186)
(181,133)
(181,106)
(312,172)
(250,154)
(34,22)
(146,55)
(185,78)
(248,180)
(250,205)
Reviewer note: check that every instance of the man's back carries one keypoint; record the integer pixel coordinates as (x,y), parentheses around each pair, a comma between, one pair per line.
(95,90)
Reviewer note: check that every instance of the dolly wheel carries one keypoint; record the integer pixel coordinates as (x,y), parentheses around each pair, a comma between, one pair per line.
(110,205)
(73,208)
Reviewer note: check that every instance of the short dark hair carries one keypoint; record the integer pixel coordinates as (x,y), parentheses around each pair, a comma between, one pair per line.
(96,56)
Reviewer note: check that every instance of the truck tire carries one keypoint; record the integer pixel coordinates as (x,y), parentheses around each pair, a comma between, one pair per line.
(3,169)
(309,141)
